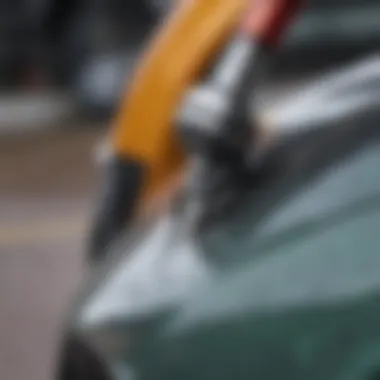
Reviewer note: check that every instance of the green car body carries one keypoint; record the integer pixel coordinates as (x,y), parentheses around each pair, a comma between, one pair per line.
(288,284)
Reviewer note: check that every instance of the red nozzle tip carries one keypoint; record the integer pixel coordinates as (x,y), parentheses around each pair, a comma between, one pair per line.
(266,20)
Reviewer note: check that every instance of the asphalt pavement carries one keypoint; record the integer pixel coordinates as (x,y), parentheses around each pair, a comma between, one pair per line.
(47,180)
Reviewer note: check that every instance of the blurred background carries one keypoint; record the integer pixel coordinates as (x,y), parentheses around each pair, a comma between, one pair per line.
(64,65)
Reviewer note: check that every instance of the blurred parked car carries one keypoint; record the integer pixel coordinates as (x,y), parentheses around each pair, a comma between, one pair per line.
(327,31)
(89,47)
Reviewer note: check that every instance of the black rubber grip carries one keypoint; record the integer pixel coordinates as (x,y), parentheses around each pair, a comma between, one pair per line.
(118,203)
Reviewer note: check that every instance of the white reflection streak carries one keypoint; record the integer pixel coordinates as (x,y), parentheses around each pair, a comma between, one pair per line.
(333,96)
